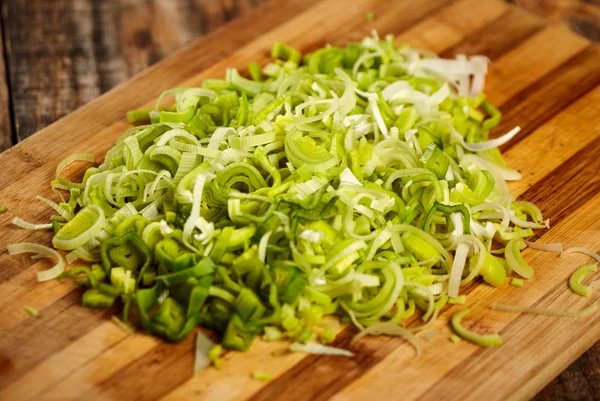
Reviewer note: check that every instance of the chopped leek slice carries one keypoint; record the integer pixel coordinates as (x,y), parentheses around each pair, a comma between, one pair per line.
(262,375)
(314,348)
(204,354)
(517,282)
(32,311)
(81,229)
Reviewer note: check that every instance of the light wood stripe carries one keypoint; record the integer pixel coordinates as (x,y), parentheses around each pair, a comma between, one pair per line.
(442,30)
(112,360)
(525,64)
(61,365)
(499,36)
(551,149)
(556,90)
(35,340)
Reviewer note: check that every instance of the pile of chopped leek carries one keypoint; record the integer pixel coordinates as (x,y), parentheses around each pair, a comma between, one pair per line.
(359,182)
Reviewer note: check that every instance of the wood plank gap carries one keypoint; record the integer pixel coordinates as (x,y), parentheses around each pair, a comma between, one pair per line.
(7,109)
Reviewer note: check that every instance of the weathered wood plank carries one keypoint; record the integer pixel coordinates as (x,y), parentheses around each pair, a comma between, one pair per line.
(582,16)
(64,53)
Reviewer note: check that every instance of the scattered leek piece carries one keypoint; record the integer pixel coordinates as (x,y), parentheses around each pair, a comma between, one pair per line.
(389,329)
(455,339)
(215,356)
(429,334)
(517,282)
(262,375)
(202,359)
(585,251)
(546,312)
(460,300)
(30,226)
(314,348)
(41,251)
(3,209)
(485,340)
(514,259)
(575,281)
(122,325)
(556,247)
(32,311)
(370,16)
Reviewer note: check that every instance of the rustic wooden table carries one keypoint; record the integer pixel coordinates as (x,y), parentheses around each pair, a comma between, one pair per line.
(58,55)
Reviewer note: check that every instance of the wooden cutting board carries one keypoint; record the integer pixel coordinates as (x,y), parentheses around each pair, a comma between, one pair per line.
(543,77)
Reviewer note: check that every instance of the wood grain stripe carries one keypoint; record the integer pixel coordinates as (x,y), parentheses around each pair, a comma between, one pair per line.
(574,182)
(440,31)
(156,366)
(23,347)
(539,102)
(507,76)
(62,364)
(556,141)
(499,36)
(7,128)
(83,380)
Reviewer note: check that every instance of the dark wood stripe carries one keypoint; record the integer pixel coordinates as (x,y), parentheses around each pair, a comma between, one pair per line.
(156,366)
(14,265)
(328,375)
(569,186)
(541,101)
(504,33)
(157,370)
(63,322)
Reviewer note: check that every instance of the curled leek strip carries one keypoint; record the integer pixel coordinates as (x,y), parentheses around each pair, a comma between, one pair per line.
(575,281)
(515,260)
(43,251)
(485,340)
